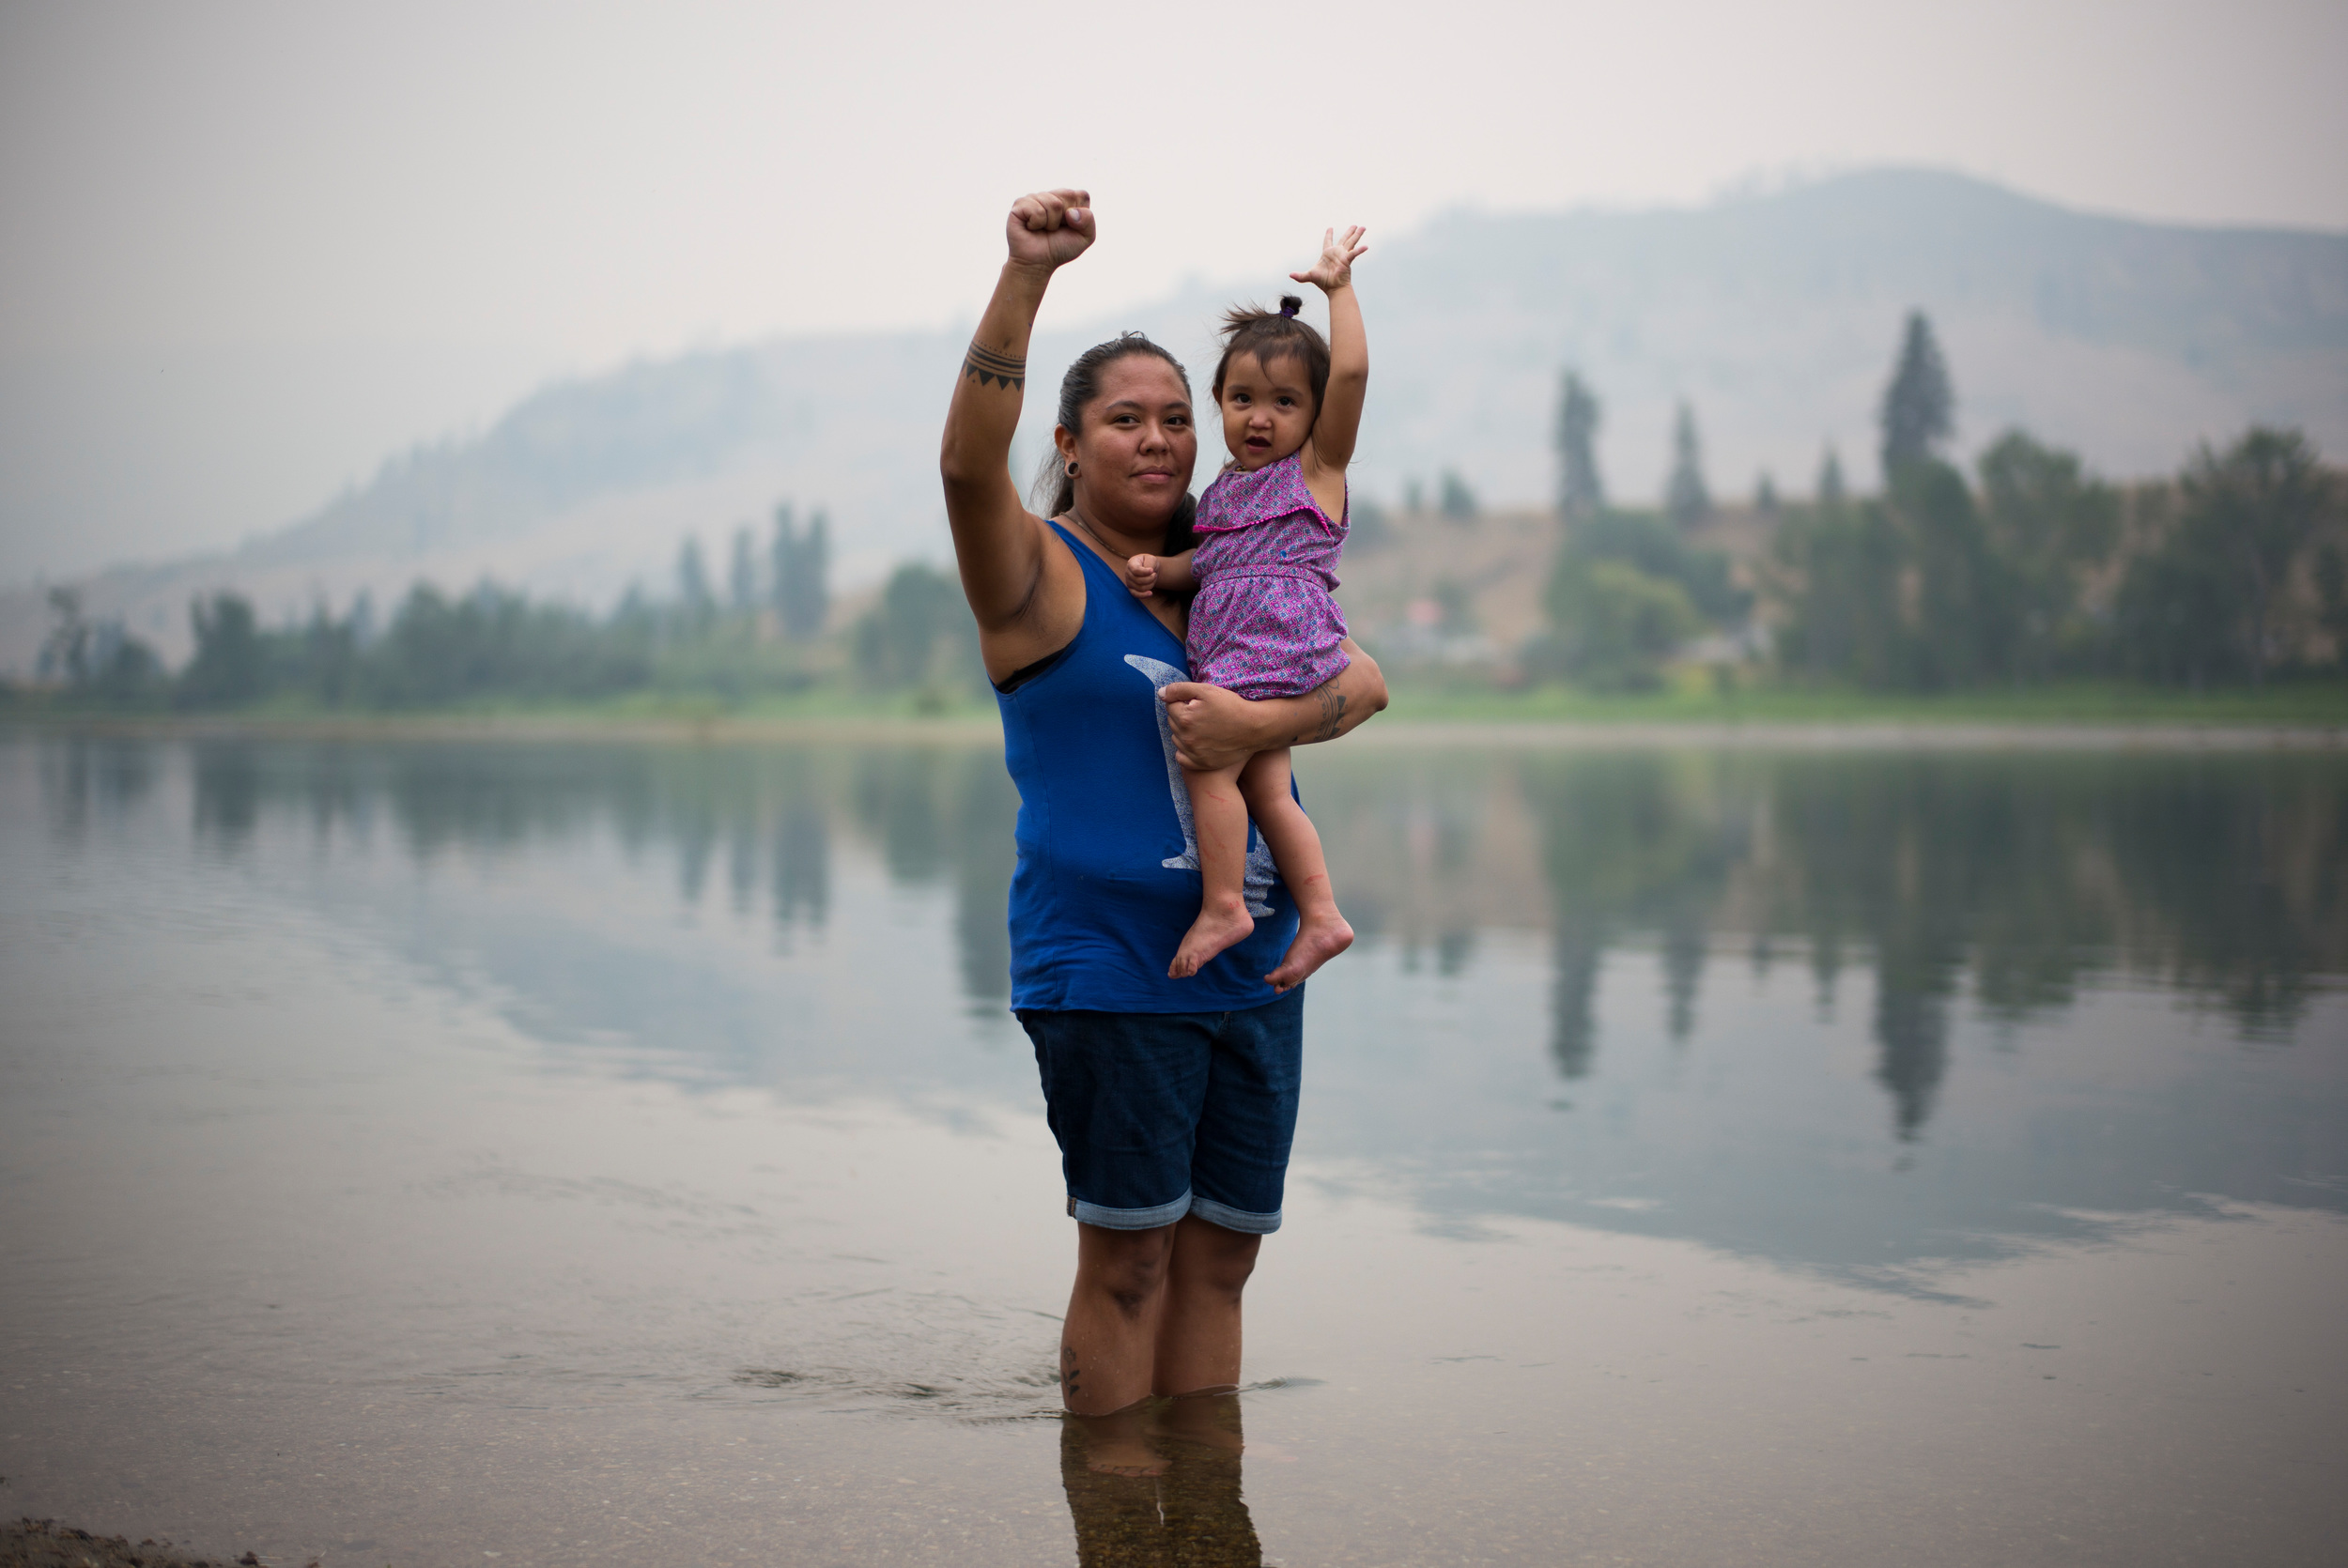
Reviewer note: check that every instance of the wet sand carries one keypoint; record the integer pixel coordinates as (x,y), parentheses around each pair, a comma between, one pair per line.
(47,1544)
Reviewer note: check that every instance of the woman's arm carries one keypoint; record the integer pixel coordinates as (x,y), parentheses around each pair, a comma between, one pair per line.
(1214,728)
(1339,420)
(999,544)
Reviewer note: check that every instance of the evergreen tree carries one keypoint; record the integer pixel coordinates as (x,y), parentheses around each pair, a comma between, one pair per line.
(1580,493)
(1765,495)
(742,574)
(1830,489)
(802,564)
(1458,502)
(1919,408)
(2331,597)
(2047,520)
(231,662)
(2257,507)
(692,581)
(65,653)
(1686,499)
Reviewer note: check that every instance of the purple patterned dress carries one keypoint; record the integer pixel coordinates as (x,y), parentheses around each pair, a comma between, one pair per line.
(1264,623)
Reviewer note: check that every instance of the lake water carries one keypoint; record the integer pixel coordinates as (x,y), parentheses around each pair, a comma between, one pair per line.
(556,1154)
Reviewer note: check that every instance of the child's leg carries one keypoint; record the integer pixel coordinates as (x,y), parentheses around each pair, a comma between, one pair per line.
(1321,933)
(1218,820)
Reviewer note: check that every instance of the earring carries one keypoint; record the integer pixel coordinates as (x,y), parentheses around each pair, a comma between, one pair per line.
(1071,470)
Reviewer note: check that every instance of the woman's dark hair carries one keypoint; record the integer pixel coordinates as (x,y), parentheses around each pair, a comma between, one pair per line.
(1275,335)
(1078,389)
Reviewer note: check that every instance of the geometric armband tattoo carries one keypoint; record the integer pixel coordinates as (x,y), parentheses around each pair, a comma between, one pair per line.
(990,367)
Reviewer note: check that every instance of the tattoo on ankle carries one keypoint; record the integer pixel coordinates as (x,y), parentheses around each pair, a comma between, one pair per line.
(991,367)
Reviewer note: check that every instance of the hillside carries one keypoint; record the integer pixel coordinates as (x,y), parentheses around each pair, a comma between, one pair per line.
(1774,316)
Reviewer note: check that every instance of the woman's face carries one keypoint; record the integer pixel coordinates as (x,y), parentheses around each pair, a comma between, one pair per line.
(1137,446)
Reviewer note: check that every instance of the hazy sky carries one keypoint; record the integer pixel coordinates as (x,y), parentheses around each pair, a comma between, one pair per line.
(250,249)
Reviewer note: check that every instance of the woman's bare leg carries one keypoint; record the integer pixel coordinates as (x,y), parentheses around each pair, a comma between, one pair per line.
(1153,1312)
(1218,820)
(1321,933)
(1108,1344)
(1199,1327)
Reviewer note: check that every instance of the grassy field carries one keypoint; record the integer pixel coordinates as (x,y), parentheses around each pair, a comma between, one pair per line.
(1693,700)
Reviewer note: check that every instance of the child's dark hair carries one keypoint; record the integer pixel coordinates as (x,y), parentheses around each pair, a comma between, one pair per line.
(1275,335)
(1078,389)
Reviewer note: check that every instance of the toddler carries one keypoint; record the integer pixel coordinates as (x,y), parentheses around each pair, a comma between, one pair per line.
(1263,623)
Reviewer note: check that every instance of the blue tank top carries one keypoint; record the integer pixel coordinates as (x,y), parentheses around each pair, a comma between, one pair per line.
(1108,879)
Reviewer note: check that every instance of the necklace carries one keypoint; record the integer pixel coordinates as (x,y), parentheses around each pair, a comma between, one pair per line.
(1097,543)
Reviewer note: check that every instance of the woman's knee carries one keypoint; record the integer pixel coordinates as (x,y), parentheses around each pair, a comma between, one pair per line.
(1128,1267)
(1212,1258)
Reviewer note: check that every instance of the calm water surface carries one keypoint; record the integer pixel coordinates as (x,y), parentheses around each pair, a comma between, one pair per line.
(440,1154)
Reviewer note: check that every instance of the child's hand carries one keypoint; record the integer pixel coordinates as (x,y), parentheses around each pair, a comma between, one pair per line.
(1335,266)
(1141,576)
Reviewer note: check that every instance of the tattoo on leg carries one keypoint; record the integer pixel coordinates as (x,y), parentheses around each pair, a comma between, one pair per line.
(1069,1376)
(991,367)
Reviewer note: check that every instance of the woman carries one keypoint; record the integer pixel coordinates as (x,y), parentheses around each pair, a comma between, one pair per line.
(1173,1100)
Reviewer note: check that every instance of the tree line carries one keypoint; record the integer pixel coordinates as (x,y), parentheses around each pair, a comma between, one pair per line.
(2029,569)
(765,628)
(2026,569)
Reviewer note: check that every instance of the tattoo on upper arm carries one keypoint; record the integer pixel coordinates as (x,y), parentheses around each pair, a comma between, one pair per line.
(991,367)
(1331,714)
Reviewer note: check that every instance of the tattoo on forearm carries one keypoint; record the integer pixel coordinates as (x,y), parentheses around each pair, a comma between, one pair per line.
(1332,716)
(991,367)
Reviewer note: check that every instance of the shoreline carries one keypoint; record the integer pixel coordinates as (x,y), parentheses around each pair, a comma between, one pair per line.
(30,1542)
(1854,735)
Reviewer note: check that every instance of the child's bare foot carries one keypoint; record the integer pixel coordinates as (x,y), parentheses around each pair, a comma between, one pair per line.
(1318,939)
(1219,925)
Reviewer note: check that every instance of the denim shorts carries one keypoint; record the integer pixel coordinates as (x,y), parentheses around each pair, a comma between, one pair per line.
(1163,1115)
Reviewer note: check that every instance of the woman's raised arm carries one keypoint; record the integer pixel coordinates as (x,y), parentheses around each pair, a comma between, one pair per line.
(998,540)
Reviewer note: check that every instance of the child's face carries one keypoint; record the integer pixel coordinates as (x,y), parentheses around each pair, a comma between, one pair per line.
(1267,409)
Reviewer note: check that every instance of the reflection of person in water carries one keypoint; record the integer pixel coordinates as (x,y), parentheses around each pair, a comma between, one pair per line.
(1174,1101)
(1188,1512)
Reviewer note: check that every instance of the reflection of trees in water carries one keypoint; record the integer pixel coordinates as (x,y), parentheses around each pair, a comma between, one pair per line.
(2017,879)
(1631,843)
(88,779)
(2024,876)
(936,813)
(2234,893)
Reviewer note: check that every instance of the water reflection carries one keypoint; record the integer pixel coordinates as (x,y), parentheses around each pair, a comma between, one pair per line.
(2016,879)
(2116,968)
(1187,1510)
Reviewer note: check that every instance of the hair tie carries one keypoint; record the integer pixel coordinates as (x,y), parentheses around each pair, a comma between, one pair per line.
(1290,306)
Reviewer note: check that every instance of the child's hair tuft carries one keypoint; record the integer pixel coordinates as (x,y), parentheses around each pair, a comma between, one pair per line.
(1272,335)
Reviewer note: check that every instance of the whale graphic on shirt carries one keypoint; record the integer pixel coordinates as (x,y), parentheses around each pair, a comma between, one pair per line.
(1258,883)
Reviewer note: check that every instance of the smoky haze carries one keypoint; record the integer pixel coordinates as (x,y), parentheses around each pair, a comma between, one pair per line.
(252,250)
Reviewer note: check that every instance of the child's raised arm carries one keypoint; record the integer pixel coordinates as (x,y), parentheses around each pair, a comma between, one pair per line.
(1339,418)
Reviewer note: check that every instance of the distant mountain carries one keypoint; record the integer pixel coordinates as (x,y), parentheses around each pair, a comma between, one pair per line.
(1775,317)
